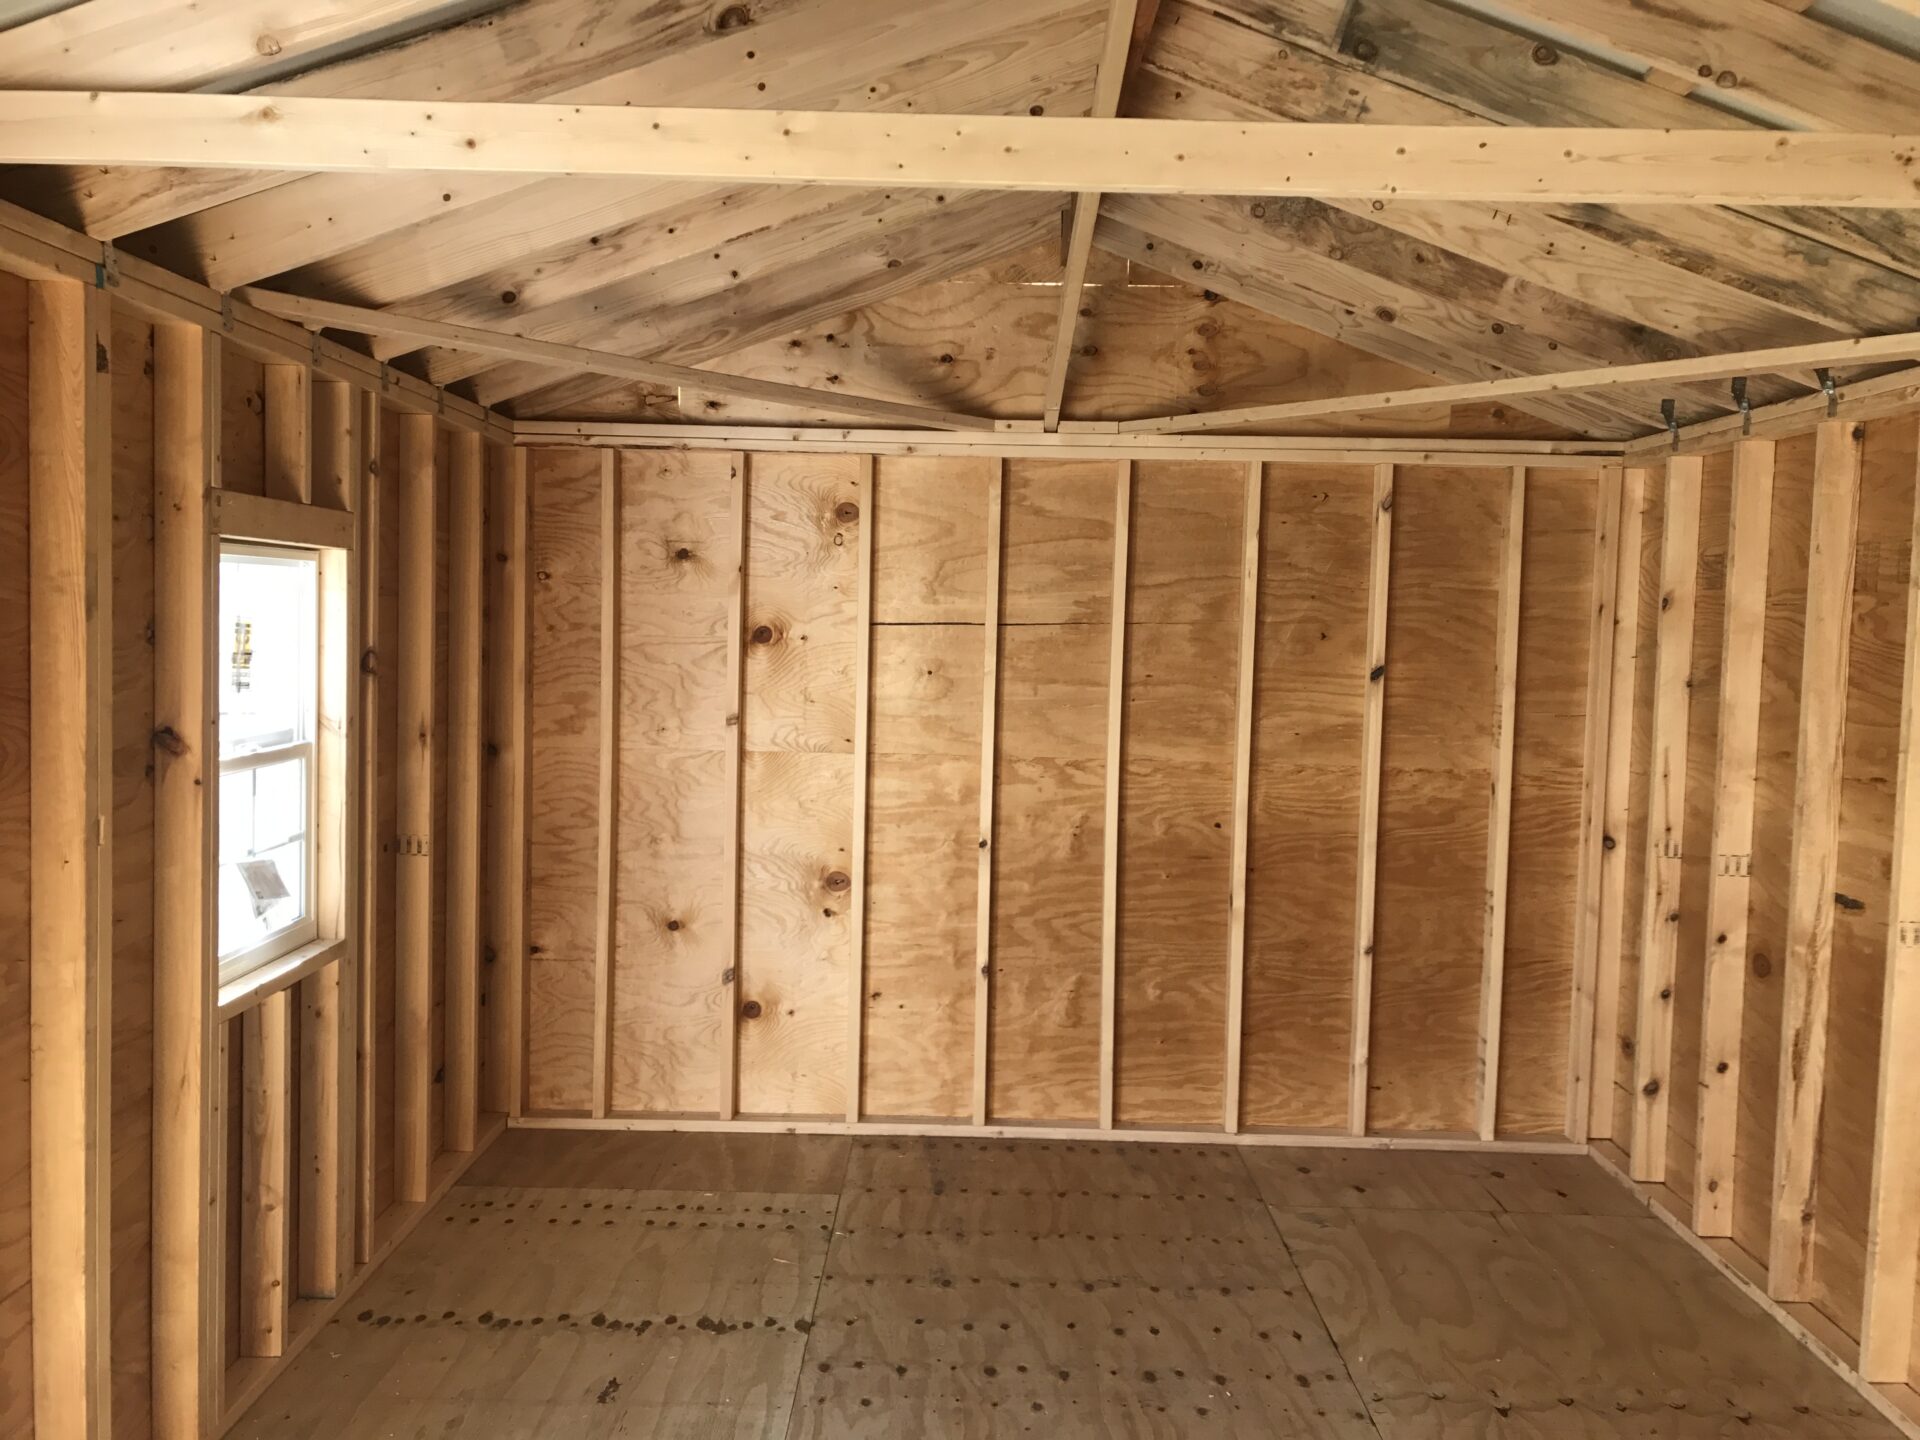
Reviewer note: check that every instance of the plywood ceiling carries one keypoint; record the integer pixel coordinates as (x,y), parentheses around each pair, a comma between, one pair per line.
(948,298)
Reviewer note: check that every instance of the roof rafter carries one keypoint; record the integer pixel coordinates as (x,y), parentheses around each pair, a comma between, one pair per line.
(986,152)
(328,315)
(1123,38)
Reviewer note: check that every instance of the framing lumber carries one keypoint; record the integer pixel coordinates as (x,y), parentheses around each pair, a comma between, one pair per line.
(1242,790)
(1858,400)
(977,152)
(70,868)
(1666,820)
(1597,749)
(466,500)
(508,700)
(240,516)
(1893,1224)
(1815,858)
(862,780)
(1114,778)
(389,324)
(1109,81)
(1636,484)
(1372,727)
(336,425)
(186,452)
(1736,776)
(729,1028)
(1772,360)
(1075,440)
(368,831)
(413,1047)
(1493,961)
(608,808)
(265,1170)
(989,751)
(289,433)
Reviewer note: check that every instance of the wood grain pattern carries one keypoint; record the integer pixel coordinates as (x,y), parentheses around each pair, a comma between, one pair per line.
(1304,805)
(564,720)
(670,942)
(796,819)
(1177,805)
(1433,813)
(1050,825)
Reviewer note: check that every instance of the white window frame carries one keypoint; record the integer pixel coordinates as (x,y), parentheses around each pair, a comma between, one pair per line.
(305,930)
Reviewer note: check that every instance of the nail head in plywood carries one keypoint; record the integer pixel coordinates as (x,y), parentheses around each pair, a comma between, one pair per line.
(1736,776)
(1815,858)
(1666,820)
(1493,962)
(1373,720)
(1242,788)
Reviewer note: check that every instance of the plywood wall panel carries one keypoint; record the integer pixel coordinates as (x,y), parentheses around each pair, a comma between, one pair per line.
(1436,769)
(564,720)
(1779,738)
(16,1299)
(1882,556)
(1556,599)
(796,831)
(1183,616)
(1696,866)
(243,425)
(1304,799)
(676,721)
(929,598)
(1057,582)
(132,1112)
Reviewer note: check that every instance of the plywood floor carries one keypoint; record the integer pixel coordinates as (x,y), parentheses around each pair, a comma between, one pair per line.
(592,1286)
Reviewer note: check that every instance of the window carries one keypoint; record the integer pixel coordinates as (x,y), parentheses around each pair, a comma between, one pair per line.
(268,658)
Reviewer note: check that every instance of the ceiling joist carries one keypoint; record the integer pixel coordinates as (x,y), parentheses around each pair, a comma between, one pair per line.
(986,152)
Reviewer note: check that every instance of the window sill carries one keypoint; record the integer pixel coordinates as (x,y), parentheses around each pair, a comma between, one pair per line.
(241,995)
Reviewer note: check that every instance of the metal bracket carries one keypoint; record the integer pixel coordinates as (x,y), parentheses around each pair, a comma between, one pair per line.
(1743,404)
(226,312)
(106,272)
(313,354)
(386,379)
(1831,391)
(1669,412)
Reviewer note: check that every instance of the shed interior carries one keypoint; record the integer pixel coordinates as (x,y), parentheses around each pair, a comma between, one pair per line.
(959,804)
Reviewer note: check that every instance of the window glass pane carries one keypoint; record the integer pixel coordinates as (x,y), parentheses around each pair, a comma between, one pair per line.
(261,895)
(267,652)
(263,852)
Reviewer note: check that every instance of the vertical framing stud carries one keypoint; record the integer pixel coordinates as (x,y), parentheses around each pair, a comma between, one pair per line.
(736,703)
(989,744)
(507,851)
(70,753)
(1666,820)
(1115,775)
(1736,773)
(264,1175)
(1816,844)
(413,1049)
(1893,1223)
(336,445)
(186,379)
(609,776)
(1593,805)
(1493,962)
(862,767)
(372,487)
(466,501)
(1636,486)
(1242,788)
(1372,725)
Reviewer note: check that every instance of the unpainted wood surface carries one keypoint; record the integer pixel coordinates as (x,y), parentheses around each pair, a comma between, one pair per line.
(620,1285)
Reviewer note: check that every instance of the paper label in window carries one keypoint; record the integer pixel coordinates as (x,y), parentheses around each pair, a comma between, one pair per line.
(264,883)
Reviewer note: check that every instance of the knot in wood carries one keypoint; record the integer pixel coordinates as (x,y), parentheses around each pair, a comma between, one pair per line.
(846,512)
(837,880)
(750,1010)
